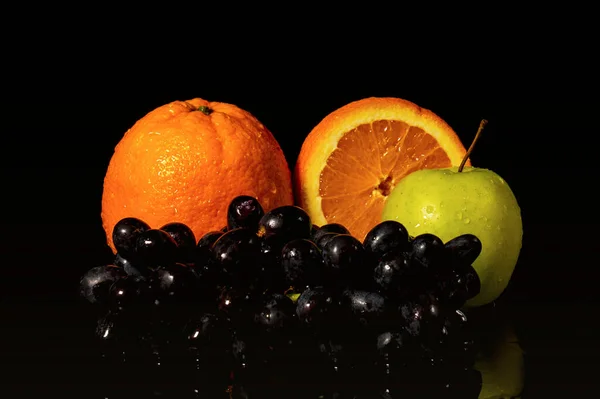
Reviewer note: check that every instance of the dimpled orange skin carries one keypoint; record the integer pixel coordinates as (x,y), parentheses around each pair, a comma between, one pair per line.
(179,164)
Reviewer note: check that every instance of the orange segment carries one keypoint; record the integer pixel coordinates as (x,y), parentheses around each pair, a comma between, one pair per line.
(354,157)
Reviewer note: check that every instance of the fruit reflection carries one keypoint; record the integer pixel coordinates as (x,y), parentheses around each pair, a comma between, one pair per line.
(500,360)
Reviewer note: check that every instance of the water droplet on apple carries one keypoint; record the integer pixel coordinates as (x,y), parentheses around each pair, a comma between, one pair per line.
(441,204)
(467,221)
(429,209)
(459,215)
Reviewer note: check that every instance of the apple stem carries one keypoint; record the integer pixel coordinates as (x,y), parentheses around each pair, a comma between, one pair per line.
(470,150)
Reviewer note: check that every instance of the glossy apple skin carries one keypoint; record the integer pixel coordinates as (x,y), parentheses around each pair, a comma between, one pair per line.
(449,203)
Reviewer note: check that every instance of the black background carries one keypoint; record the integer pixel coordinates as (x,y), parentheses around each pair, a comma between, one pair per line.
(62,119)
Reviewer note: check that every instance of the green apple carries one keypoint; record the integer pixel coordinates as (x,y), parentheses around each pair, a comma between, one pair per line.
(502,367)
(448,202)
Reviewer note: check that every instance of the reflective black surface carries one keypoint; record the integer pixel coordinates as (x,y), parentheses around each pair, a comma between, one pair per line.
(51,230)
(48,344)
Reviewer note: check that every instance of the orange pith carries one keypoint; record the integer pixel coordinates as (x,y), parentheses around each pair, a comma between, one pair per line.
(352,159)
(383,152)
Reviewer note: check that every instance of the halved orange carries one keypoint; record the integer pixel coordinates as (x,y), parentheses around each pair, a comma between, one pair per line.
(353,158)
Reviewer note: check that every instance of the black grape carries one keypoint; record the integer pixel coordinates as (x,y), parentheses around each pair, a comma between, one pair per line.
(96,283)
(301,262)
(344,258)
(204,245)
(185,239)
(176,282)
(460,286)
(324,239)
(364,308)
(125,233)
(423,317)
(154,248)
(463,250)
(329,228)
(392,273)
(244,211)
(316,307)
(236,253)
(387,236)
(428,252)
(276,313)
(288,221)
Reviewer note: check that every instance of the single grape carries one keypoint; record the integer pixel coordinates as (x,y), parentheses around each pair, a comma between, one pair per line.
(324,239)
(124,235)
(392,274)
(365,307)
(204,245)
(460,286)
(154,248)
(244,211)
(185,239)
(472,282)
(288,221)
(301,262)
(269,274)
(387,236)
(428,252)
(125,292)
(237,252)
(463,250)
(175,282)
(329,228)
(316,307)
(95,283)
(423,317)
(270,249)
(276,313)
(208,239)
(344,260)
(211,275)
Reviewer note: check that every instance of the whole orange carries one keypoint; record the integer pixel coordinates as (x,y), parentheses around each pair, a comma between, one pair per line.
(186,160)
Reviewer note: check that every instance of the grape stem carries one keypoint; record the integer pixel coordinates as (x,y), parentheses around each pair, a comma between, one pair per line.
(470,150)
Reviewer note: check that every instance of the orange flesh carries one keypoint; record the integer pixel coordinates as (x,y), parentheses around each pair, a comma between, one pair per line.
(366,165)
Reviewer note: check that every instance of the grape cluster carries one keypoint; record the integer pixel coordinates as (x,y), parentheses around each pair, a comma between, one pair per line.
(272,305)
